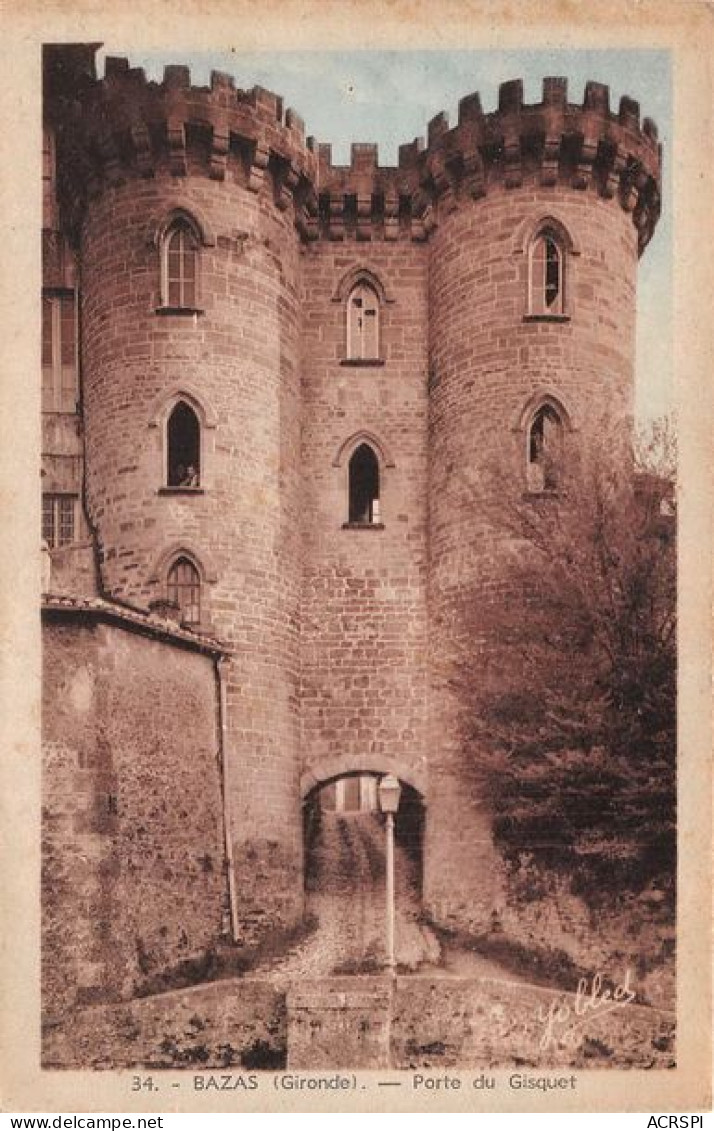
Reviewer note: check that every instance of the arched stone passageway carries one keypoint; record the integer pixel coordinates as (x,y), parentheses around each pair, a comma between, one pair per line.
(355,796)
(345,879)
(331,769)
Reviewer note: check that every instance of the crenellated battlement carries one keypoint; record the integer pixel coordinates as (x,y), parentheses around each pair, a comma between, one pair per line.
(130,127)
(550,142)
(123,126)
(222,92)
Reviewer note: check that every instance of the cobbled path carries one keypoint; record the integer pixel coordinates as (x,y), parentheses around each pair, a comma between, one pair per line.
(346,894)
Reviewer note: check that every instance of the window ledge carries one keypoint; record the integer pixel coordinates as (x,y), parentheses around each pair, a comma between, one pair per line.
(366,362)
(180,310)
(363,526)
(181,491)
(546,317)
(75,544)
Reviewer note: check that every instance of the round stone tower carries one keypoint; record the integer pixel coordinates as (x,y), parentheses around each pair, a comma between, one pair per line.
(190,336)
(536,216)
(227,392)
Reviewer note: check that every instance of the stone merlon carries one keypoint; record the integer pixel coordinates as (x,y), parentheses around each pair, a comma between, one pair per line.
(123,126)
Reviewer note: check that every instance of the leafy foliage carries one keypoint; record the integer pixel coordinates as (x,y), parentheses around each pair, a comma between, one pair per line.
(574,720)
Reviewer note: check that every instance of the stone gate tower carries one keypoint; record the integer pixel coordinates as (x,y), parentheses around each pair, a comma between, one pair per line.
(294,376)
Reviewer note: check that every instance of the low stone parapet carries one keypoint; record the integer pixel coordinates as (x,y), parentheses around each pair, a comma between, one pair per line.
(368,1023)
(490,1023)
(218,1025)
(339,1023)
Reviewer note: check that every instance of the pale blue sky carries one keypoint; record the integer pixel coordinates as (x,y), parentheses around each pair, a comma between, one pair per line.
(388,97)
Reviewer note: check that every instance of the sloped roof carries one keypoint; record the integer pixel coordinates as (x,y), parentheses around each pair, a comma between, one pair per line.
(133,619)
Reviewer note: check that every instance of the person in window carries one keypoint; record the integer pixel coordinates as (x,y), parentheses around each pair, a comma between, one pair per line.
(190,478)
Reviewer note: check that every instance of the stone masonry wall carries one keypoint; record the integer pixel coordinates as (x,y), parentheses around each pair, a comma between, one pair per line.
(72,570)
(486,1023)
(233,1022)
(237,361)
(488,361)
(228,1023)
(347,1023)
(363,618)
(133,852)
(343,642)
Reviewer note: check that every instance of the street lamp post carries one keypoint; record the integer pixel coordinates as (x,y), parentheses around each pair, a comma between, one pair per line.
(389,793)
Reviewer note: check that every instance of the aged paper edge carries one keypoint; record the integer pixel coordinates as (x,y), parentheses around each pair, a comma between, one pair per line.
(687,30)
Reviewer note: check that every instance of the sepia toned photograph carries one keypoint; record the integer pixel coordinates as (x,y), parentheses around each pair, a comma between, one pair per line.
(356,570)
(358,562)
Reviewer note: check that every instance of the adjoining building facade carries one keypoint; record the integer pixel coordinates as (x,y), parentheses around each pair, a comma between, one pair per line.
(273,388)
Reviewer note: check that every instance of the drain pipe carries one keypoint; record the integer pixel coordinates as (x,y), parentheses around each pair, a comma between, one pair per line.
(224,794)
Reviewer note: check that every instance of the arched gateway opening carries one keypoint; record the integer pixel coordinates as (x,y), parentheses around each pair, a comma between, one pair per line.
(345,872)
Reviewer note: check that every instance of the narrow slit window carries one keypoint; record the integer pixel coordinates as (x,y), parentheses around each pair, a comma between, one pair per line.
(364,486)
(545,450)
(183,588)
(183,447)
(363,323)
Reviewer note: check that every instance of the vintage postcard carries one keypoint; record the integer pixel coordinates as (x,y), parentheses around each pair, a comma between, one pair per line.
(356,442)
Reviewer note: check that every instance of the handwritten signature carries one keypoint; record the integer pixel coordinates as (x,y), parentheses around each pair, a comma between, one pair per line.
(563,1021)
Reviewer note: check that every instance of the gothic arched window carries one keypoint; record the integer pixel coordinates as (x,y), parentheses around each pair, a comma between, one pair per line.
(183,447)
(546,290)
(179,266)
(363,323)
(364,486)
(183,588)
(545,450)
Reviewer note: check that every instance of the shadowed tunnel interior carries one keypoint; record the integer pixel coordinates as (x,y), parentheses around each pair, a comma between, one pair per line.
(345,879)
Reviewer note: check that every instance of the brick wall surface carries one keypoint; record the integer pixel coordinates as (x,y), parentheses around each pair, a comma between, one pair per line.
(133,852)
